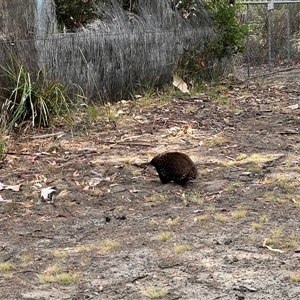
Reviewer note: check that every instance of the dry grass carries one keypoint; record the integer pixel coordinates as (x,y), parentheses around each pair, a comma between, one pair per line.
(154,292)
(256,226)
(221,218)
(263,219)
(156,198)
(62,278)
(181,248)
(203,218)
(60,254)
(108,245)
(6,266)
(239,214)
(165,236)
(281,239)
(54,274)
(217,141)
(295,277)
(172,222)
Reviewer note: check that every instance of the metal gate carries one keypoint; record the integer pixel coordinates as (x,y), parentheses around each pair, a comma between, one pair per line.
(274,41)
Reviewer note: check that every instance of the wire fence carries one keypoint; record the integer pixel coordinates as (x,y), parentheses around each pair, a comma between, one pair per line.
(274,41)
(113,59)
(109,59)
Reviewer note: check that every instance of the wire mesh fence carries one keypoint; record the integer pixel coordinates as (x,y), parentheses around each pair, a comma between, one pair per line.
(274,41)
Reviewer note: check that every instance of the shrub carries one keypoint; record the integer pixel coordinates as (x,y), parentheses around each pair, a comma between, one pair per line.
(31,97)
(209,62)
(74,13)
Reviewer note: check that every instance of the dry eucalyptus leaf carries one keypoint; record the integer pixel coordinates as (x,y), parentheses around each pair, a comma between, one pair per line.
(180,84)
(46,192)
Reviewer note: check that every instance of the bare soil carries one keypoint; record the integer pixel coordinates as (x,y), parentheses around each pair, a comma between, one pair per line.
(233,233)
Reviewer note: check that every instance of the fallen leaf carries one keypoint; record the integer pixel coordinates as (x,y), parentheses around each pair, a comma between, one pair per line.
(2,200)
(95,181)
(294,106)
(75,174)
(14,188)
(62,194)
(180,84)
(46,192)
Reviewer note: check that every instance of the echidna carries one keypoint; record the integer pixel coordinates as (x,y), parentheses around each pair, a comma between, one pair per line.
(174,166)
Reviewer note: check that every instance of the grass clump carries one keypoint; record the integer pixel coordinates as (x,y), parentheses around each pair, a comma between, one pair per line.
(241,157)
(203,218)
(154,292)
(84,248)
(156,198)
(221,218)
(178,248)
(33,98)
(3,145)
(165,236)
(195,198)
(280,239)
(275,197)
(62,278)
(172,222)
(217,141)
(286,183)
(263,219)
(109,245)
(92,112)
(295,277)
(239,214)
(256,226)
(54,274)
(233,187)
(222,100)
(255,169)
(60,254)
(6,266)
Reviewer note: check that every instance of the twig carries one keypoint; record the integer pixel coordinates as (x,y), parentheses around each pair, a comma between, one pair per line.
(61,133)
(139,277)
(68,211)
(128,143)
(15,153)
(270,248)
(37,236)
(24,271)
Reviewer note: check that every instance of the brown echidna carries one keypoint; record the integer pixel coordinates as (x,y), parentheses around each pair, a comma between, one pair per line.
(174,166)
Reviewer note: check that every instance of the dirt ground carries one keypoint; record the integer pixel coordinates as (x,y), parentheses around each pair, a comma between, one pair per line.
(113,231)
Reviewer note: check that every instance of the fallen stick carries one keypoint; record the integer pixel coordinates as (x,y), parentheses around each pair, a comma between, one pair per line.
(60,134)
(270,248)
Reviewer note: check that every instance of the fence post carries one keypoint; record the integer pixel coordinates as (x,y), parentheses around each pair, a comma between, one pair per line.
(288,33)
(248,43)
(270,7)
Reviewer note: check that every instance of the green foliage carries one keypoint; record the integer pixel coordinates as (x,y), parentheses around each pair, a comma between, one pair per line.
(259,30)
(210,62)
(230,35)
(130,5)
(2,147)
(74,13)
(185,5)
(28,98)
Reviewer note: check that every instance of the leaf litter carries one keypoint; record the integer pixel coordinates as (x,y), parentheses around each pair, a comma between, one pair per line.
(107,192)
